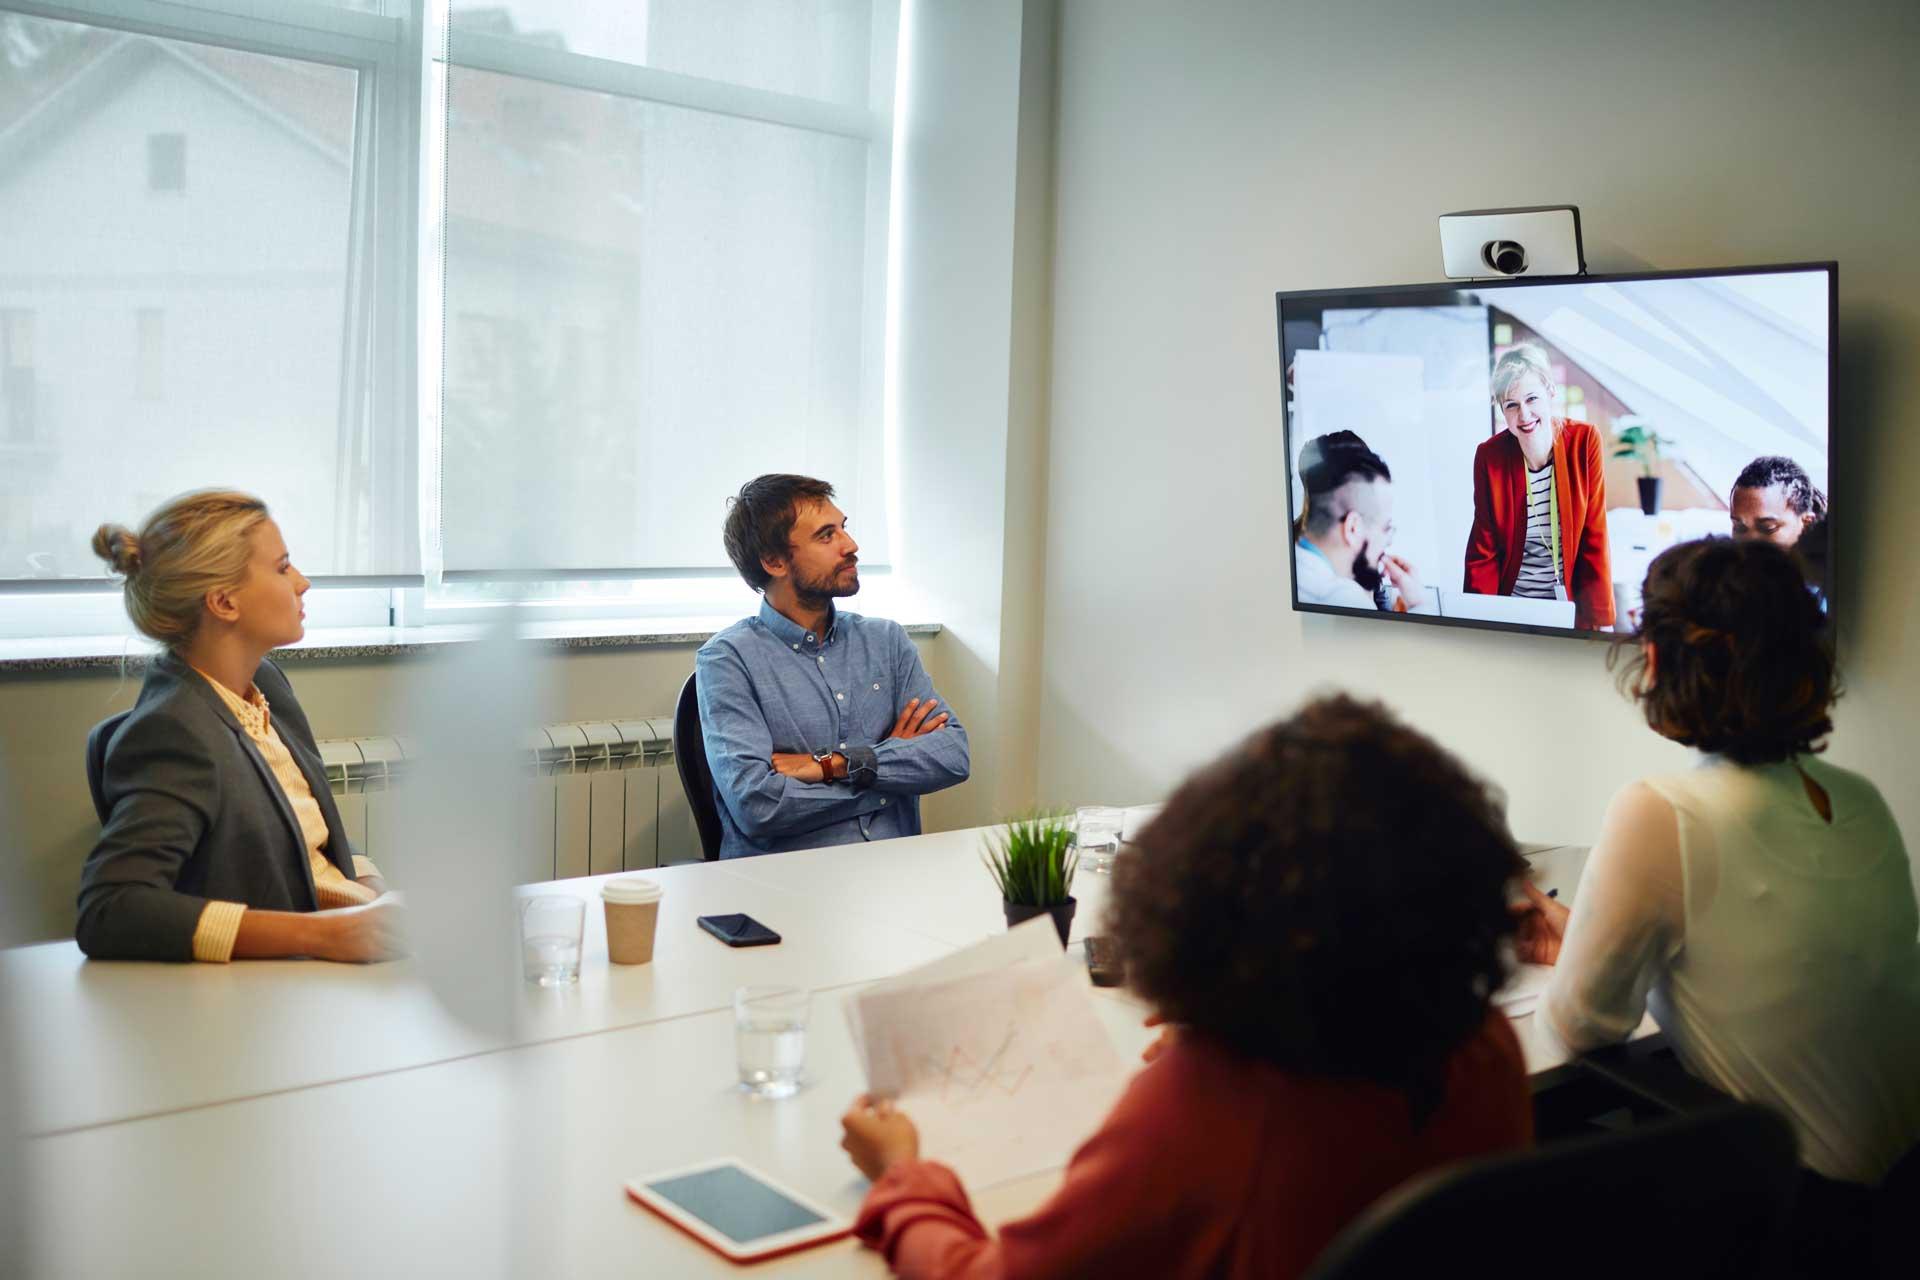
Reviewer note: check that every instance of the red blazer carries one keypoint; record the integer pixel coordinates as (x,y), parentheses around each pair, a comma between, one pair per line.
(1499,534)
(1212,1165)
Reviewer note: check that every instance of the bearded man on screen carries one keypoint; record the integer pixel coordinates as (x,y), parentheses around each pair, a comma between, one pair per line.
(1340,541)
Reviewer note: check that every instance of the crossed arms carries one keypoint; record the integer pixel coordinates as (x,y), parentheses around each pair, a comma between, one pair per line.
(773,794)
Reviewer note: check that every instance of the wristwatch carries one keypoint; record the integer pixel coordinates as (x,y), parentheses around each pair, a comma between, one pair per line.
(825,760)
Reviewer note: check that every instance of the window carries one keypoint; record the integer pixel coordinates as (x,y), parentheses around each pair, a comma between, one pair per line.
(229,334)
(664,273)
(17,392)
(475,293)
(166,162)
(150,354)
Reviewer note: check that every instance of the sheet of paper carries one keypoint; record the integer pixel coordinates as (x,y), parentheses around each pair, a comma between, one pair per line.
(999,1057)
(1034,940)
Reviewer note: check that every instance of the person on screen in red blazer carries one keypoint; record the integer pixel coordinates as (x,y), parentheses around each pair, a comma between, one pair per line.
(1540,499)
(1292,1086)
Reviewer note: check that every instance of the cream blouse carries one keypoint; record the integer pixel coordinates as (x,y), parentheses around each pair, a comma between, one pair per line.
(1776,949)
(219,925)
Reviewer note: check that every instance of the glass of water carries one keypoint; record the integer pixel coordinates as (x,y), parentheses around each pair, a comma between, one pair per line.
(1096,836)
(770,1036)
(550,929)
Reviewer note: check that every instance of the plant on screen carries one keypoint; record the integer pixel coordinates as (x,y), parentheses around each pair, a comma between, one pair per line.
(1032,859)
(1641,443)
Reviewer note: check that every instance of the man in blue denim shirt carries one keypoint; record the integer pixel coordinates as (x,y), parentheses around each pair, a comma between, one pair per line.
(821,726)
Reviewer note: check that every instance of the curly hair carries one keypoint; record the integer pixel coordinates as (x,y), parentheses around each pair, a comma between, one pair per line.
(1330,896)
(1740,660)
(760,518)
(1803,499)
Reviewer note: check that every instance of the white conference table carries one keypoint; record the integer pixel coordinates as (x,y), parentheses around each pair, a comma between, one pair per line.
(313,1119)
(117,1041)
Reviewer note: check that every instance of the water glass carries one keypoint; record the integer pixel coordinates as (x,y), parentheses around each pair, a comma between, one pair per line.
(550,929)
(1096,836)
(770,1037)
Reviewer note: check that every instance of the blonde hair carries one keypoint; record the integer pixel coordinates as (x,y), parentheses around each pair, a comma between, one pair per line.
(1516,364)
(194,544)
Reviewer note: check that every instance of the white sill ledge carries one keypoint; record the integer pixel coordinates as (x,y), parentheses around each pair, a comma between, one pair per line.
(85,653)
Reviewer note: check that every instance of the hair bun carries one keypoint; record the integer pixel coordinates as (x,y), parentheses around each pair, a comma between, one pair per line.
(119,547)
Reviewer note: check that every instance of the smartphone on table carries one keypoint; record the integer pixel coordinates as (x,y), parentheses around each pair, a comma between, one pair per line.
(739,930)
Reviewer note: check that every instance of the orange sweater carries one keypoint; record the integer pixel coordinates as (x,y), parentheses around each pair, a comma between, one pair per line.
(1211,1165)
(1499,535)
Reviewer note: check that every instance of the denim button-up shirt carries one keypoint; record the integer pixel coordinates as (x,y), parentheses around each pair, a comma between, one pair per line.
(767,686)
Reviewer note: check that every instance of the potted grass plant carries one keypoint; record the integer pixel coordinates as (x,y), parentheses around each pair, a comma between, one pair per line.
(1642,443)
(1032,861)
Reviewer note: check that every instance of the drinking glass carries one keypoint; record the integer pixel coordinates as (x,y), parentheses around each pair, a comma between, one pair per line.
(770,1037)
(1096,836)
(550,930)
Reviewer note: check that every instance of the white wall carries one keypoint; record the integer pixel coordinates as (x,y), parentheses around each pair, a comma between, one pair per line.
(1210,156)
(972,336)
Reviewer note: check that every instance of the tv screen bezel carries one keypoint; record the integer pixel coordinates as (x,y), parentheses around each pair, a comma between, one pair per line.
(1360,293)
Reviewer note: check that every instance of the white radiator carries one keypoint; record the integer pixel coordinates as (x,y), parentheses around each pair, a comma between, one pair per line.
(604,795)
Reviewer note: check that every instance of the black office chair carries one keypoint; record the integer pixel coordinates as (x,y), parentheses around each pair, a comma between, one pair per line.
(1646,1078)
(690,757)
(1641,1081)
(97,739)
(1897,1209)
(1708,1194)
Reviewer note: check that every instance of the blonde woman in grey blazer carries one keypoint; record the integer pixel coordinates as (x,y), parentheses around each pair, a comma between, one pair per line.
(220,839)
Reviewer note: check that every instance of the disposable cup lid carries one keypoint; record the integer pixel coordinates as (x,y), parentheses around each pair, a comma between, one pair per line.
(630,890)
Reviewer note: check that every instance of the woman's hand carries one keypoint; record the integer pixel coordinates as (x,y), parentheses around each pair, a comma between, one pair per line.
(1543,926)
(360,935)
(877,1137)
(1162,1042)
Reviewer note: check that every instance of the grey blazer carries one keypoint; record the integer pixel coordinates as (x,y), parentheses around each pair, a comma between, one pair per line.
(194,813)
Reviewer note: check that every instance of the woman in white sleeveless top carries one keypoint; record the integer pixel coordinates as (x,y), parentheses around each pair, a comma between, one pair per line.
(1761,903)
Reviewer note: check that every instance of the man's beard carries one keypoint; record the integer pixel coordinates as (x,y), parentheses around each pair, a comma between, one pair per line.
(1364,572)
(816,592)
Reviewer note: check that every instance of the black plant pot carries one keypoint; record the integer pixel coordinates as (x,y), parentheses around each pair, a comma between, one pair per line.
(1650,494)
(1062,913)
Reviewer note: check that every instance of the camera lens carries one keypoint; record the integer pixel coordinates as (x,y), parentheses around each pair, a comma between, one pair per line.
(1508,257)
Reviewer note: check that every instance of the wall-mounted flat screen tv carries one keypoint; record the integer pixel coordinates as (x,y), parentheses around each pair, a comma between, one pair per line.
(1513,454)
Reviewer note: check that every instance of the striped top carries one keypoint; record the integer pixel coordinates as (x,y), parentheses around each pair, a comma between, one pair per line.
(1539,575)
(219,926)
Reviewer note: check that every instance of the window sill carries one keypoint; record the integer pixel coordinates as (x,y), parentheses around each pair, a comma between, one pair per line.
(356,644)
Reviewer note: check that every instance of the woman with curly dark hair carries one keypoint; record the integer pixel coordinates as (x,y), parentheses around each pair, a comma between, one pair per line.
(1321,912)
(1761,903)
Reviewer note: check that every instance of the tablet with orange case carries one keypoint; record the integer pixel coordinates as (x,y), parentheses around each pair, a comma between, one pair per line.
(741,1214)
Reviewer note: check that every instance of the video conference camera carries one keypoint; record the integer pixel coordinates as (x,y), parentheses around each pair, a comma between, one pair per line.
(1479,244)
